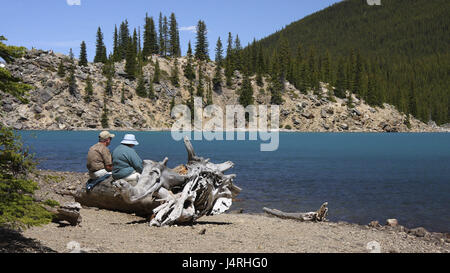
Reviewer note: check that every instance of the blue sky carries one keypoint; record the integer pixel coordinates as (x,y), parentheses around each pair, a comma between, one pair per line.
(63,24)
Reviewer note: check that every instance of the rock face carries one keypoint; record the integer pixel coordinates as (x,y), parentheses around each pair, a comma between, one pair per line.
(52,107)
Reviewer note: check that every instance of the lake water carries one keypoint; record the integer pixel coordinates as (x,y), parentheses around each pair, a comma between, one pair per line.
(363,176)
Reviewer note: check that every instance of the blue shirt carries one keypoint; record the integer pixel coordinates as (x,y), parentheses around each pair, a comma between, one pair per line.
(125,162)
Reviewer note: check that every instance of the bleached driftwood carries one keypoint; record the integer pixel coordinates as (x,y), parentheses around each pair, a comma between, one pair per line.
(316,216)
(174,196)
(69,212)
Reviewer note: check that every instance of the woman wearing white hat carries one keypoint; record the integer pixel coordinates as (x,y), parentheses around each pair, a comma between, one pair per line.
(127,164)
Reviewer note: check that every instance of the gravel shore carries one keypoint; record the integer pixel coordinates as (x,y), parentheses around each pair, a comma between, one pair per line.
(109,231)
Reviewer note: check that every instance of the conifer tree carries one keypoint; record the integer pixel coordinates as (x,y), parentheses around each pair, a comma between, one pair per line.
(162,41)
(246,92)
(73,88)
(156,76)
(150,38)
(237,54)
(124,40)
(340,80)
(174,41)
(109,86)
(200,90)
(166,36)
(140,89)
(100,49)
(61,70)
(89,90)
(122,96)
(201,47)
(189,72)
(104,117)
(83,55)
(131,64)
(174,77)
(229,66)
(217,80)
(116,53)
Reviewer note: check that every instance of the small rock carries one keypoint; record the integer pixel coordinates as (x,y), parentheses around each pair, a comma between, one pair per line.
(374,224)
(308,115)
(392,222)
(202,232)
(344,126)
(418,232)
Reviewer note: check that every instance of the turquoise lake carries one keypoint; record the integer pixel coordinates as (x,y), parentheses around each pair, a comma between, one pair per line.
(363,176)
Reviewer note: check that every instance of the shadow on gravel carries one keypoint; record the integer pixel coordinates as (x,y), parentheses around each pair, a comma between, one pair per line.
(12,241)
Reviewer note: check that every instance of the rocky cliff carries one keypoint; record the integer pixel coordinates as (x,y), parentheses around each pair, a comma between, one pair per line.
(52,107)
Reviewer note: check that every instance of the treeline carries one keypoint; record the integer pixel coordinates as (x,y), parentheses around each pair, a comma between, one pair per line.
(395,53)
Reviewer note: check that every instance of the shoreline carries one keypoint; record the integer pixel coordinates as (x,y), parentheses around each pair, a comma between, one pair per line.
(113,232)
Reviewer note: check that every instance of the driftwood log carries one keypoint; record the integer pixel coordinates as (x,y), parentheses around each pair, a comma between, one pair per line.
(172,196)
(317,216)
(69,212)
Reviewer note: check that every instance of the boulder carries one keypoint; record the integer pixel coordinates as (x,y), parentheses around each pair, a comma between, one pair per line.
(344,126)
(308,115)
(418,232)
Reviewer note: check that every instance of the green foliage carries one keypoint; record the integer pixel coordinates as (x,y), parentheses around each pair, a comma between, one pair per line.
(150,38)
(246,92)
(89,90)
(104,117)
(157,74)
(174,42)
(140,89)
(100,49)
(83,55)
(174,77)
(61,71)
(201,47)
(17,207)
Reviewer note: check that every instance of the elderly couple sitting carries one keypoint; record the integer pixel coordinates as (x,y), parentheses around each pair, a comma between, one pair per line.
(124,163)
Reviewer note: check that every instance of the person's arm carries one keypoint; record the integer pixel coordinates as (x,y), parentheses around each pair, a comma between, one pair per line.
(107,159)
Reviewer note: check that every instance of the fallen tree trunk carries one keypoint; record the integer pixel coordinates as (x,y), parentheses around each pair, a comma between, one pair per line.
(316,216)
(173,196)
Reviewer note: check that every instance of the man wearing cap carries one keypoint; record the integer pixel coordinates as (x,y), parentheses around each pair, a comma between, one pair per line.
(99,159)
(127,164)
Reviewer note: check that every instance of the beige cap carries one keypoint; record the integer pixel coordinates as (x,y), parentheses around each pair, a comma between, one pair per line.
(105,135)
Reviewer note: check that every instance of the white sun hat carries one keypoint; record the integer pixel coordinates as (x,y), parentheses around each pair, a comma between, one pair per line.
(129,139)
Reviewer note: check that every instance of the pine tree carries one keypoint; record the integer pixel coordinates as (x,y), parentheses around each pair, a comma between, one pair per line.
(122,96)
(174,41)
(83,55)
(189,72)
(73,88)
(246,92)
(358,75)
(150,38)
(166,36)
(124,40)
(61,70)
(140,89)
(201,47)
(260,67)
(104,117)
(89,90)
(217,80)
(174,77)
(162,41)
(116,53)
(130,64)
(229,66)
(109,86)
(100,49)
(200,90)
(157,74)
(341,82)
(237,54)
